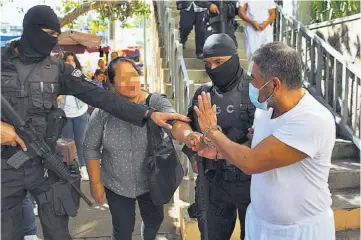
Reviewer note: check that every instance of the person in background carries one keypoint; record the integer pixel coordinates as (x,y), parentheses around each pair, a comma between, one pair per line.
(102,71)
(102,67)
(113,55)
(99,78)
(29,220)
(220,17)
(122,149)
(258,15)
(76,112)
(191,14)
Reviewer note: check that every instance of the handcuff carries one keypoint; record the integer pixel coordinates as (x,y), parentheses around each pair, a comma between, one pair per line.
(208,142)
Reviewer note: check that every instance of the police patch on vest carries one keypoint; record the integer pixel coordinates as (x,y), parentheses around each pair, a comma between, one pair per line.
(77,73)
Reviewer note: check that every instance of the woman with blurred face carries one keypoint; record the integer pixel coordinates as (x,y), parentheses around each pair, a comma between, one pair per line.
(122,148)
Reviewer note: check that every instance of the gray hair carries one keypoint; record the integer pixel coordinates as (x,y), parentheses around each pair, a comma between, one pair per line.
(276,59)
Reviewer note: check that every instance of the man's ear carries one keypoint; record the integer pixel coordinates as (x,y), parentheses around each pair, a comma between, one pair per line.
(276,83)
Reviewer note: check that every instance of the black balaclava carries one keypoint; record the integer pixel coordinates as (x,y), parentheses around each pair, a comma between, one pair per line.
(226,76)
(35,44)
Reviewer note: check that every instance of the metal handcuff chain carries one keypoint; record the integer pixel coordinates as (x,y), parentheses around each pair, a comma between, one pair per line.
(204,138)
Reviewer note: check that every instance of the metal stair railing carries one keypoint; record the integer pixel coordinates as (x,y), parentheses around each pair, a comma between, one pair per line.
(182,86)
(327,75)
(173,52)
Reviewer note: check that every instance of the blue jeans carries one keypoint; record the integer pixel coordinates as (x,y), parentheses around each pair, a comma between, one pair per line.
(29,217)
(75,129)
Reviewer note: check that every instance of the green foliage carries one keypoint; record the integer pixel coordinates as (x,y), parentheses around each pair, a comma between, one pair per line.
(323,10)
(107,11)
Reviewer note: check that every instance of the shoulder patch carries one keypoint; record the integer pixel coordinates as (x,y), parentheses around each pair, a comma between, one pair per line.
(77,73)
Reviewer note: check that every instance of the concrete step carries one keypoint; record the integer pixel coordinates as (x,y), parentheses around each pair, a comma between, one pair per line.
(345,149)
(344,175)
(350,234)
(346,207)
(191,36)
(198,76)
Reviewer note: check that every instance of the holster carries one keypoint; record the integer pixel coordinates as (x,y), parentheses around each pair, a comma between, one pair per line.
(56,120)
(63,198)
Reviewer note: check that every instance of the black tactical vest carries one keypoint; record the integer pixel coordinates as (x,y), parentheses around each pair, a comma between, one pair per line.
(235,112)
(34,95)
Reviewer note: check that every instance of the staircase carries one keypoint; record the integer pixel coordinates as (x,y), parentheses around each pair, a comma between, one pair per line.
(182,73)
(194,66)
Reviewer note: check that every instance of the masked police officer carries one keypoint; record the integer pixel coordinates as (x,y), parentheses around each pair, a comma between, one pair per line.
(31,82)
(228,187)
(220,17)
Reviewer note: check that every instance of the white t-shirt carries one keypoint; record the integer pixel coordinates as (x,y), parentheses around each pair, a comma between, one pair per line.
(289,194)
(258,10)
(72,109)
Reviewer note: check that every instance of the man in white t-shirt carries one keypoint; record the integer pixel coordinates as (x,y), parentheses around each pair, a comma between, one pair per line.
(290,157)
(258,16)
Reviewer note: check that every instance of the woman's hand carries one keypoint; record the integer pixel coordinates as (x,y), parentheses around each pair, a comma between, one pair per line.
(97,192)
(207,114)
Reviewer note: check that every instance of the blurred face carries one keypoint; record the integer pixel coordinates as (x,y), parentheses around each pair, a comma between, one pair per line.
(100,77)
(114,55)
(70,60)
(214,62)
(101,63)
(126,81)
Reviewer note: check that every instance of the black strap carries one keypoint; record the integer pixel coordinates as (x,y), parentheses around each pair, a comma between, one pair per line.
(151,140)
(147,100)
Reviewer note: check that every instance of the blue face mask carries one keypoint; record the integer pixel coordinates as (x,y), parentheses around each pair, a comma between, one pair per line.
(254,95)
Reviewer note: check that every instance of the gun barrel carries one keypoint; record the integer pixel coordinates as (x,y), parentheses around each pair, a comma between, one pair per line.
(82,195)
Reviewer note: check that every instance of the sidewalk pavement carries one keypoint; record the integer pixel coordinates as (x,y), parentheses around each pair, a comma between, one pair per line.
(94,223)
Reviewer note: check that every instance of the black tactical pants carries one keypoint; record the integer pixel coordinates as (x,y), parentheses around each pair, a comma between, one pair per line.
(15,183)
(225,199)
(215,28)
(187,20)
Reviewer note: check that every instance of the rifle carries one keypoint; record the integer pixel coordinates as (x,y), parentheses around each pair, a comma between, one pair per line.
(203,196)
(37,147)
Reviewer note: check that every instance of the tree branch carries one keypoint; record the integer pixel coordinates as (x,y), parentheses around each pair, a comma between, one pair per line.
(84,8)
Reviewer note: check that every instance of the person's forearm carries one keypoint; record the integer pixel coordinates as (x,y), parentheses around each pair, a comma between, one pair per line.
(239,155)
(243,15)
(180,131)
(93,167)
(271,18)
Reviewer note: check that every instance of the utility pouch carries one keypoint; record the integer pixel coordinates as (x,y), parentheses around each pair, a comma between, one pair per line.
(56,120)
